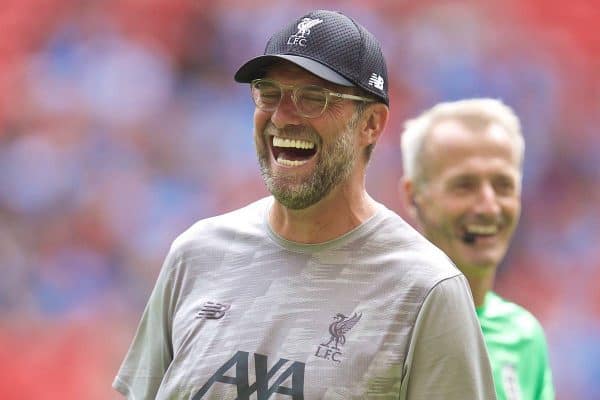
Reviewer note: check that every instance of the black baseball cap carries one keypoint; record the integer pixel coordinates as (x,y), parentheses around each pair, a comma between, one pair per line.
(330,45)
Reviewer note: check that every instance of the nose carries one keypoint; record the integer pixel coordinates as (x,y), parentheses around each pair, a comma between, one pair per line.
(487,200)
(286,112)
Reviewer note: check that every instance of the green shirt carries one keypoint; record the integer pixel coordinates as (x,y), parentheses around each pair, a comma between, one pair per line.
(517,350)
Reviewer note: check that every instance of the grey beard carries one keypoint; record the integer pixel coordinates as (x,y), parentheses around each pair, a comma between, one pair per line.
(333,167)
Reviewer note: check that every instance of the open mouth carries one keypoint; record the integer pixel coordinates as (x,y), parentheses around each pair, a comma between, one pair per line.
(475,231)
(292,152)
(483,230)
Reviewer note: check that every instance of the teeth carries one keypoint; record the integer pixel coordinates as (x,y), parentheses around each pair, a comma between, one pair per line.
(482,229)
(297,143)
(290,163)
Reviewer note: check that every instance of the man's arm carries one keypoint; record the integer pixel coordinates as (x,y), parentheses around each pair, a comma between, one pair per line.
(546,387)
(151,351)
(447,357)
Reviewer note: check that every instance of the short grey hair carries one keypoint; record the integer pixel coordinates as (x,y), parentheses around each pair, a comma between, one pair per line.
(479,109)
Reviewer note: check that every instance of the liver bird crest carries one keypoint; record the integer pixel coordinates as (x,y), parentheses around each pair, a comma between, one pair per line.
(305,25)
(339,327)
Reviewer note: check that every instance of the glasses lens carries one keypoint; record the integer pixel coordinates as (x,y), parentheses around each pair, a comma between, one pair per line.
(311,101)
(266,95)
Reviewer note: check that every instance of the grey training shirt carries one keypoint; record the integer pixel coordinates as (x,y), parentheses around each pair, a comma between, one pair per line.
(241,313)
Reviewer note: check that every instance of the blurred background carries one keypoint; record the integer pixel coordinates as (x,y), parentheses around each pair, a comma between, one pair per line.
(121,125)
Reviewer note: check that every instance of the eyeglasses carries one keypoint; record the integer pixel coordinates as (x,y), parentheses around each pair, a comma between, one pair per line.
(311,101)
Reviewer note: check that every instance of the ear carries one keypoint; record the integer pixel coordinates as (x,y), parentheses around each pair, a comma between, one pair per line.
(408,194)
(373,122)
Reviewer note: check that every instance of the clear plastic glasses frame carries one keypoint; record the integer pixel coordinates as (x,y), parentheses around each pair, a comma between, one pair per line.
(310,101)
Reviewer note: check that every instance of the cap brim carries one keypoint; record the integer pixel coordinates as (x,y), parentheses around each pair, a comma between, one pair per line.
(255,68)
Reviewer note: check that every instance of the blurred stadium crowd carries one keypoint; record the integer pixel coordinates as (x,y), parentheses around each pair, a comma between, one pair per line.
(120,125)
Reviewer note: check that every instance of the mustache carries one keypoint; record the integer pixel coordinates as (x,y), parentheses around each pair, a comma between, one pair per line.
(292,131)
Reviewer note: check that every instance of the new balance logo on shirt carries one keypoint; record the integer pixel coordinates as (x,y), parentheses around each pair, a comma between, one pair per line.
(212,310)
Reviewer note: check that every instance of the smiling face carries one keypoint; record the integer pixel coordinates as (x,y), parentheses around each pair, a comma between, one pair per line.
(303,159)
(468,201)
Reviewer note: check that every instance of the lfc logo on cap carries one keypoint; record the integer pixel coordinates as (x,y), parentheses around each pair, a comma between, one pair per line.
(299,38)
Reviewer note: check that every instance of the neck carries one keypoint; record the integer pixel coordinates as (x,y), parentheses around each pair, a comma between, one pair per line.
(480,284)
(343,209)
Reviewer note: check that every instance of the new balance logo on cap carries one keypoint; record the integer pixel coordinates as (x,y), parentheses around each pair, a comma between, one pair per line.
(212,310)
(299,38)
(376,81)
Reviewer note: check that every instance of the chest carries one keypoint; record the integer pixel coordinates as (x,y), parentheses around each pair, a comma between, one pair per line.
(295,329)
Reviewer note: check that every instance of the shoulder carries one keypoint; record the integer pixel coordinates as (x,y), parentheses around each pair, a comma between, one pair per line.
(412,247)
(501,314)
(223,230)
(408,253)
